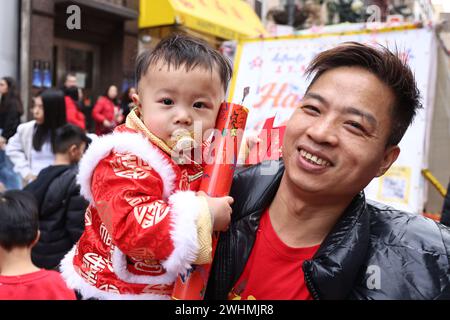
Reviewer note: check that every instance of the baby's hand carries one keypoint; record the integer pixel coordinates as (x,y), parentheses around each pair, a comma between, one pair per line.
(220,208)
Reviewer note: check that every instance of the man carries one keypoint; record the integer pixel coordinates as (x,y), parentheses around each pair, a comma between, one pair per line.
(71,96)
(71,80)
(307,232)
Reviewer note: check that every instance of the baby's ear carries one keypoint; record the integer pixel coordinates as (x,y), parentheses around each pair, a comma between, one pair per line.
(136,100)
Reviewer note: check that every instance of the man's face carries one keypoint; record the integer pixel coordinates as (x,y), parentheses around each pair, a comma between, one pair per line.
(71,81)
(171,99)
(335,142)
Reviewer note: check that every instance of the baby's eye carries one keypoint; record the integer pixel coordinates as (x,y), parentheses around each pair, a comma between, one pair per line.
(199,105)
(167,102)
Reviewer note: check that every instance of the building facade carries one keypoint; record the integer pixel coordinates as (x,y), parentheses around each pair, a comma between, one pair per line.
(97,40)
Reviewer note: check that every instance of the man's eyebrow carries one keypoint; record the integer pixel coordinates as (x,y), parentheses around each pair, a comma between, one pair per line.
(317,97)
(369,117)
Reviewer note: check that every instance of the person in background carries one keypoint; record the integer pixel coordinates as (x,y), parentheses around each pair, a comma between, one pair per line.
(61,207)
(72,99)
(85,104)
(105,112)
(20,279)
(10,111)
(70,80)
(126,102)
(31,148)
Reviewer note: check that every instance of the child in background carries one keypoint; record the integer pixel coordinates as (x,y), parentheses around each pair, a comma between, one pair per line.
(61,207)
(20,279)
(145,223)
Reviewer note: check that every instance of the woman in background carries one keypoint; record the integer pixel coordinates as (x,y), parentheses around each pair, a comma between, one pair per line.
(106,112)
(31,148)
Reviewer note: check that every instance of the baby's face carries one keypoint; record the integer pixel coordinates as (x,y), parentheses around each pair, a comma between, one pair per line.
(171,99)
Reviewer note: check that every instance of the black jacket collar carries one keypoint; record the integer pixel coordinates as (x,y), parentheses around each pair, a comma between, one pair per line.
(336,264)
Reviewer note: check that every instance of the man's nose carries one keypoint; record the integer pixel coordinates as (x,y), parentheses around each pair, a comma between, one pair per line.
(324,131)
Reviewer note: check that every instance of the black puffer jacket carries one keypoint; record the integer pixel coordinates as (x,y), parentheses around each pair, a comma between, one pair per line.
(373,252)
(445,218)
(61,214)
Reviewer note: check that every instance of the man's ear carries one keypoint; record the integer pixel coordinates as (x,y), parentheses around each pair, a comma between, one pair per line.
(390,155)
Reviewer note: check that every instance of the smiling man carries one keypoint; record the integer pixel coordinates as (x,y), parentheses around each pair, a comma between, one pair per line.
(307,232)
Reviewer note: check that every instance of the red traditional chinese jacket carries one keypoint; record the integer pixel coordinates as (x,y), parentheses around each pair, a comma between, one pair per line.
(144,225)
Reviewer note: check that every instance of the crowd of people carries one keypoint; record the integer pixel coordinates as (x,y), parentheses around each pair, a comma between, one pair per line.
(41,158)
(112,215)
(27,148)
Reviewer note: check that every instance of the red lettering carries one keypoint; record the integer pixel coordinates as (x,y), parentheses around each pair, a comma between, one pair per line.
(290,101)
(269,92)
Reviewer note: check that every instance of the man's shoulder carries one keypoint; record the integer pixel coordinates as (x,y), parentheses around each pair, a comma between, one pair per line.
(407,257)
(412,232)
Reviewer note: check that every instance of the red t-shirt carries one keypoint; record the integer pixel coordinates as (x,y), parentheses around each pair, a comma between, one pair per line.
(39,285)
(273,270)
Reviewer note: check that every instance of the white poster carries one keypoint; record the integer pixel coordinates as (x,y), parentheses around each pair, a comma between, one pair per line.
(274,69)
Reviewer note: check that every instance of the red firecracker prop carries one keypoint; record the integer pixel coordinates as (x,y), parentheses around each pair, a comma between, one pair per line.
(216,182)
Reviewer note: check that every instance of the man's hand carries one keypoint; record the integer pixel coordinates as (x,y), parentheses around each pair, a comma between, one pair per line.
(220,209)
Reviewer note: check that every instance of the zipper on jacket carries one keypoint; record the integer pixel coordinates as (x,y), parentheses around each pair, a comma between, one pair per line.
(309,284)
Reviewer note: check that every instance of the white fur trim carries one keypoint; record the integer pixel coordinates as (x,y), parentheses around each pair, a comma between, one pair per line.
(76,282)
(119,262)
(124,142)
(185,208)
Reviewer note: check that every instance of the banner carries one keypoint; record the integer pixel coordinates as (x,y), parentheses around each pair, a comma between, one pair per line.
(274,69)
